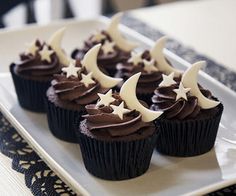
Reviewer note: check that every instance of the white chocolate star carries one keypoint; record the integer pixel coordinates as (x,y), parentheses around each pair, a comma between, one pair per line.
(98,37)
(71,70)
(105,99)
(32,48)
(135,58)
(149,66)
(181,92)
(108,47)
(87,79)
(120,110)
(167,80)
(45,54)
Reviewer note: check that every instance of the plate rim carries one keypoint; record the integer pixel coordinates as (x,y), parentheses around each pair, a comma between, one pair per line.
(58,169)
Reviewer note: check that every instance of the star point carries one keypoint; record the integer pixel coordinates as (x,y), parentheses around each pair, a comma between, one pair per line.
(32,48)
(181,92)
(71,70)
(87,79)
(149,66)
(135,58)
(98,37)
(45,54)
(105,99)
(167,80)
(120,110)
(108,47)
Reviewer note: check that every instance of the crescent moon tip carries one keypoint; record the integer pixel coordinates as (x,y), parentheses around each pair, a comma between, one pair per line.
(152,116)
(189,80)
(164,38)
(131,81)
(199,64)
(92,53)
(59,33)
(159,46)
(117,16)
(97,46)
(135,76)
(162,41)
(119,79)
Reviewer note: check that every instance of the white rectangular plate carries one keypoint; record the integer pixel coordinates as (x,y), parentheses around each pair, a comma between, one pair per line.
(166,175)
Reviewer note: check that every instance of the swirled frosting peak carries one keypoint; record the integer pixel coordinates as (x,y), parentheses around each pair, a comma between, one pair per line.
(76,85)
(141,62)
(176,100)
(39,61)
(114,118)
(109,55)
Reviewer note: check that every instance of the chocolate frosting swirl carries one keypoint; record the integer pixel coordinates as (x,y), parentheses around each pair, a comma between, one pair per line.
(165,99)
(101,120)
(147,82)
(106,61)
(71,91)
(32,67)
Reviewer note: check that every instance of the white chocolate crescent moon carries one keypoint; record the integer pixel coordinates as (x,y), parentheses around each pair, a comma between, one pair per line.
(128,94)
(90,63)
(55,42)
(189,80)
(157,54)
(113,31)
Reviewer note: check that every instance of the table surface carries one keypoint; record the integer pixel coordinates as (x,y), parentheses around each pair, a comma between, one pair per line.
(11,182)
(171,19)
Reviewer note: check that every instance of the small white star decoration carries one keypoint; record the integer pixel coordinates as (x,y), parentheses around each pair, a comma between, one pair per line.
(45,53)
(32,48)
(149,66)
(108,47)
(87,79)
(120,110)
(167,80)
(181,92)
(135,58)
(71,70)
(98,37)
(105,99)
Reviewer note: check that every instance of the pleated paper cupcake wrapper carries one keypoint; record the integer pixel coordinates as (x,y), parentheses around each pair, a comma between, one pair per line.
(188,137)
(30,93)
(116,160)
(62,122)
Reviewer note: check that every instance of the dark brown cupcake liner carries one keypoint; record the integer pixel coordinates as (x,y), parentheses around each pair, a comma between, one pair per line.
(30,93)
(188,137)
(62,122)
(116,160)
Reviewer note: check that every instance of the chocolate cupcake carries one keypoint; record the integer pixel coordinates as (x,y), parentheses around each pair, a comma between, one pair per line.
(70,91)
(152,64)
(118,136)
(33,72)
(191,115)
(114,48)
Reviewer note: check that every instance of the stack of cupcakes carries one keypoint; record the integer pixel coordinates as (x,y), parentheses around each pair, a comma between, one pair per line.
(70,91)
(117,133)
(33,73)
(115,49)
